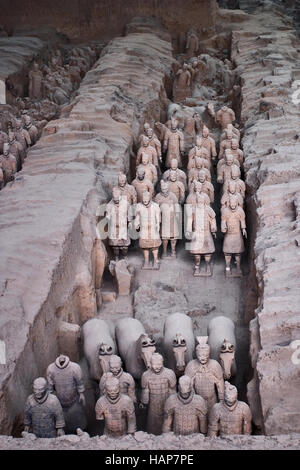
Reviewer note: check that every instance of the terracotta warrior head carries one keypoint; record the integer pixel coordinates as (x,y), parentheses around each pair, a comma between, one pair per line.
(112,389)
(235,173)
(227,352)
(229,134)
(174,164)
(233,202)
(27,120)
(11,136)
(185,387)
(202,176)
(140,174)
(229,158)
(205,132)
(116,195)
(197,186)
(198,141)
(146,127)
(149,133)
(198,162)
(6,149)
(146,198)
(230,394)
(145,141)
(173,176)
(122,180)
(164,186)
(232,187)
(234,144)
(145,158)
(202,350)
(179,350)
(174,124)
(40,389)
(157,362)
(115,364)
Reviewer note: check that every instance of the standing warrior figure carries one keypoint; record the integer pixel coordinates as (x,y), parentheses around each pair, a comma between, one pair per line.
(198,151)
(118,216)
(65,379)
(35,83)
(146,127)
(149,150)
(158,383)
(31,129)
(185,413)
(234,226)
(127,190)
(116,409)
(231,190)
(176,187)
(226,143)
(150,169)
(182,84)
(196,189)
(127,384)
(147,221)
(3,138)
(181,176)
(21,134)
(225,116)
(16,149)
(192,44)
(8,164)
(43,412)
(207,187)
(237,152)
(170,218)
(142,184)
(234,130)
(173,144)
(193,171)
(201,224)
(154,142)
(207,374)
(231,416)
(209,143)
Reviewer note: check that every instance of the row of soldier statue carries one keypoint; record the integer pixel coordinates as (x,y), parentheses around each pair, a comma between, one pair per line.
(20,135)
(158,215)
(202,402)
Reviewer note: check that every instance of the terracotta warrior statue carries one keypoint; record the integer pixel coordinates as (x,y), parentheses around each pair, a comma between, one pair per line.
(181,176)
(234,130)
(35,83)
(118,216)
(3,138)
(207,187)
(226,144)
(21,134)
(225,116)
(149,150)
(231,190)
(235,176)
(16,149)
(142,184)
(31,129)
(192,44)
(176,187)
(170,218)
(185,412)
(66,381)
(150,169)
(116,409)
(225,166)
(182,84)
(127,190)
(207,374)
(146,127)
(147,221)
(201,225)
(229,416)
(173,144)
(43,412)
(209,143)
(158,383)
(154,142)
(8,164)
(127,384)
(233,224)
(237,152)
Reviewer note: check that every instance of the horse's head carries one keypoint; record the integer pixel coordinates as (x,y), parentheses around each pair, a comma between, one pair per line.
(104,353)
(147,348)
(227,352)
(179,350)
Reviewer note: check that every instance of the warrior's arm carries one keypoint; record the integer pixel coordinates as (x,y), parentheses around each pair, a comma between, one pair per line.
(247,420)
(213,422)
(131,390)
(27,416)
(131,419)
(202,419)
(168,418)
(50,380)
(145,390)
